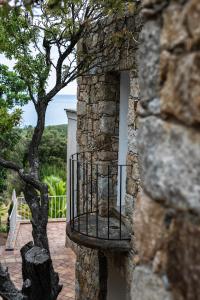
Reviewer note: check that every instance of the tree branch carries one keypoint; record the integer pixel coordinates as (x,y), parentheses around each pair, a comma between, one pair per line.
(25,177)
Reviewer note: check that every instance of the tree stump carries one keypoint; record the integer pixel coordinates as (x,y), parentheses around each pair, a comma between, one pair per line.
(37,269)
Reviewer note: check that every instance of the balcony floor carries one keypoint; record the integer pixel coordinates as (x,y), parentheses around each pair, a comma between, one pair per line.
(96,236)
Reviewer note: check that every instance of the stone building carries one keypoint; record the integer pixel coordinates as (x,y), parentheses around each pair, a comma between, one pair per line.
(134,200)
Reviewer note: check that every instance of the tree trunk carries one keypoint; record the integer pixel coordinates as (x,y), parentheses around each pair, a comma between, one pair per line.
(39,210)
(36,266)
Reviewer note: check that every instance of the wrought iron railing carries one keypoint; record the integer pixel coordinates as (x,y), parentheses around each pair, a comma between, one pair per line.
(21,212)
(57,208)
(97,197)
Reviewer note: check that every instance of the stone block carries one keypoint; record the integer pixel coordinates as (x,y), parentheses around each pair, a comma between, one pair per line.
(148,286)
(151,107)
(180,93)
(132,186)
(83,96)
(191,18)
(132,136)
(181,26)
(174,32)
(169,162)
(148,60)
(108,156)
(183,259)
(134,88)
(151,2)
(108,107)
(129,206)
(107,124)
(83,139)
(81,108)
(149,227)
(132,113)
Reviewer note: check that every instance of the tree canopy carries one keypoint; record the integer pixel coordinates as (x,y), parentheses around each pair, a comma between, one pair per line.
(13,91)
(42,39)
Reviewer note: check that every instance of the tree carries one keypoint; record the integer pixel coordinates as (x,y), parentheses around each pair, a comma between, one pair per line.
(13,92)
(32,38)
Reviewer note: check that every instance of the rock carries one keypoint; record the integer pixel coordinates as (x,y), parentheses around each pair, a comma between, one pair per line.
(184,257)
(148,286)
(148,60)
(132,136)
(149,227)
(174,32)
(191,18)
(107,107)
(180,93)
(169,163)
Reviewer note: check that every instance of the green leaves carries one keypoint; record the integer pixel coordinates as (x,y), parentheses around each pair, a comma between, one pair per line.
(13,90)
(56,185)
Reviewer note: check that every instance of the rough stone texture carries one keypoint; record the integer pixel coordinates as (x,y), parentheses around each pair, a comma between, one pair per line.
(171,154)
(163,133)
(87,279)
(150,227)
(183,257)
(180,94)
(148,60)
(98,132)
(166,214)
(148,286)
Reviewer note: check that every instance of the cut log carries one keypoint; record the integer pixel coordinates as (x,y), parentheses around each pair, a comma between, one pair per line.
(37,268)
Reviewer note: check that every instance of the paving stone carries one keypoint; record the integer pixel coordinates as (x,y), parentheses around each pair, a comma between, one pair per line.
(63,258)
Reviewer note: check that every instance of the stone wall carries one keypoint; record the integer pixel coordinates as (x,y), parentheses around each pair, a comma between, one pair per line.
(162,195)
(166,213)
(98,132)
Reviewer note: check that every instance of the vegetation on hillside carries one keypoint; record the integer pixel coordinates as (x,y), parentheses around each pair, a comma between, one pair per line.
(52,153)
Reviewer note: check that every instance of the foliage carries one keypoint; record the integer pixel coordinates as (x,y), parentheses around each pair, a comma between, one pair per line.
(57,207)
(24,211)
(3,228)
(57,186)
(3,174)
(53,147)
(12,92)
(3,217)
(57,204)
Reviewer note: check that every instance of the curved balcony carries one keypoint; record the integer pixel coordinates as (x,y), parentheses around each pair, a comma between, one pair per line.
(97,204)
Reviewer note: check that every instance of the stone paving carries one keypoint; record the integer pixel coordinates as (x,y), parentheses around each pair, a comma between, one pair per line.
(63,258)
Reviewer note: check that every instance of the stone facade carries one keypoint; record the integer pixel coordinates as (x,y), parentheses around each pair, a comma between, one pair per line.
(166,215)
(162,201)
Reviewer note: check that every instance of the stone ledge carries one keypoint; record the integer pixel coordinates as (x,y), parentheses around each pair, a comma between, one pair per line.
(95,243)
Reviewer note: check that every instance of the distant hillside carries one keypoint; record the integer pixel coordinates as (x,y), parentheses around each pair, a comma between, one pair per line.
(61,128)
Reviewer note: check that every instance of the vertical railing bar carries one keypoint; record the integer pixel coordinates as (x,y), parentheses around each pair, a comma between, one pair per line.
(77,193)
(97,202)
(55,207)
(108,202)
(84,186)
(59,210)
(70,194)
(86,198)
(51,216)
(120,204)
(91,184)
(73,192)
